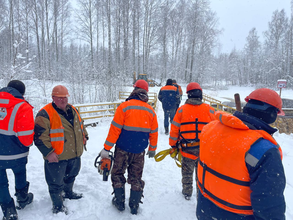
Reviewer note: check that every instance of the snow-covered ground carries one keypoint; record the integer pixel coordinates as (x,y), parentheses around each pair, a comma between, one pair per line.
(162,192)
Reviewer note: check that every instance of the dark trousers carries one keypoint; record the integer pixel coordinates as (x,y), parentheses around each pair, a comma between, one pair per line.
(20,181)
(134,164)
(63,172)
(168,114)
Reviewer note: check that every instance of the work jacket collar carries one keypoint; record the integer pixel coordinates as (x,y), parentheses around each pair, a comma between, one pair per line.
(139,94)
(254,123)
(193,101)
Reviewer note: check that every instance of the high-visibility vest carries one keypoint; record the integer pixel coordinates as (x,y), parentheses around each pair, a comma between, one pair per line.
(57,129)
(187,125)
(223,177)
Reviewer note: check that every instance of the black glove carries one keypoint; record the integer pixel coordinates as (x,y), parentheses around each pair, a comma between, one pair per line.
(151,153)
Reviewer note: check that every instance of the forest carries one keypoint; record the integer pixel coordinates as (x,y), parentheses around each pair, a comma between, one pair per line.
(103,43)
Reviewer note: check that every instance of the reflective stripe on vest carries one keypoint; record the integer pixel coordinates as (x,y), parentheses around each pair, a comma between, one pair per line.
(56,129)
(13,157)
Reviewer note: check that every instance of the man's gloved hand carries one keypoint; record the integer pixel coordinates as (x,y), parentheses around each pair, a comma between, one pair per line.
(151,153)
(52,157)
(104,153)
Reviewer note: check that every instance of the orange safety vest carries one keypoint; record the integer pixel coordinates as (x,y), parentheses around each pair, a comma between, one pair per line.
(223,177)
(187,125)
(57,129)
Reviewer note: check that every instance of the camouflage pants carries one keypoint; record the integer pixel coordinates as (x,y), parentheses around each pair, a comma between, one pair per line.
(134,164)
(187,169)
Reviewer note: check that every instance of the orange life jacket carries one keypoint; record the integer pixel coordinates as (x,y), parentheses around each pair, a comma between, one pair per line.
(223,177)
(57,129)
(187,125)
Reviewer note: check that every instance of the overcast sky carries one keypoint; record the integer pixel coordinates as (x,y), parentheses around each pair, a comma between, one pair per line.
(238,17)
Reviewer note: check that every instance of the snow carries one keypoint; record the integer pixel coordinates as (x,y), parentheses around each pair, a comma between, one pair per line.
(162,192)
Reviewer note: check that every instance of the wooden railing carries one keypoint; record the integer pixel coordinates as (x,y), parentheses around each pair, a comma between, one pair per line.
(100,110)
(97,110)
(217,105)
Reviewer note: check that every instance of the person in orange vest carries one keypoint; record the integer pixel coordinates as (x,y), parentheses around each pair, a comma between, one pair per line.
(240,171)
(185,133)
(180,93)
(133,129)
(16,136)
(169,96)
(61,137)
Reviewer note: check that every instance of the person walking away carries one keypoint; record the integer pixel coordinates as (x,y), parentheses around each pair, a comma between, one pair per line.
(180,93)
(169,96)
(16,136)
(185,132)
(240,171)
(133,128)
(60,136)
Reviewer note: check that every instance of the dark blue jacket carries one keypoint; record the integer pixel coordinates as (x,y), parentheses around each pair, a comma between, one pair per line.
(169,96)
(267,181)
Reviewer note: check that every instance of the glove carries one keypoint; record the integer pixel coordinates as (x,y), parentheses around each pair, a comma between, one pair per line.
(151,153)
(52,157)
(104,153)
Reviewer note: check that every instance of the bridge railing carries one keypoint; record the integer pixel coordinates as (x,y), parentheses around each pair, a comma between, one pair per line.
(217,104)
(100,110)
(97,110)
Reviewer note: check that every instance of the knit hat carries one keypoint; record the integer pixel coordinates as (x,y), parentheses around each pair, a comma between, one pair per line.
(18,85)
(169,82)
(261,110)
(195,93)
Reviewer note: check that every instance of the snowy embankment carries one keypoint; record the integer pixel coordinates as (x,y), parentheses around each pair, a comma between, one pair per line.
(162,192)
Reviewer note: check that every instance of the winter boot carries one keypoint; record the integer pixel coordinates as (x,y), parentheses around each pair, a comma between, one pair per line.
(69,194)
(9,211)
(23,196)
(57,201)
(119,198)
(134,201)
(166,130)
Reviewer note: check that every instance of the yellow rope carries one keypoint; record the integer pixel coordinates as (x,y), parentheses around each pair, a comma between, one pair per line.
(173,152)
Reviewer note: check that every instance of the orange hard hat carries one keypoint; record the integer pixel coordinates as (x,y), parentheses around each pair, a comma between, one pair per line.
(141,84)
(267,96)
(60,91)
(192,86)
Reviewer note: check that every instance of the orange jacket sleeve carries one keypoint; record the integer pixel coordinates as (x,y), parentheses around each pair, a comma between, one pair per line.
(24,125)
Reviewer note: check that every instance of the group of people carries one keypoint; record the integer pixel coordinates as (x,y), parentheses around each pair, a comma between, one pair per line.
(59,134)
(237,163)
